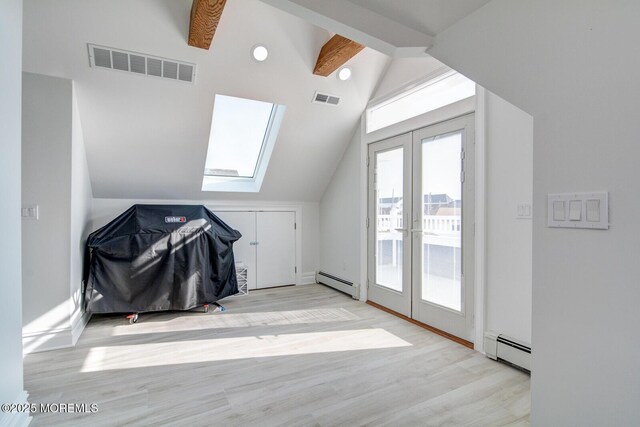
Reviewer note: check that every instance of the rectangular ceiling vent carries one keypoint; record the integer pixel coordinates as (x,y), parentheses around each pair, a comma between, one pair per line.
(141,64)
(323,98)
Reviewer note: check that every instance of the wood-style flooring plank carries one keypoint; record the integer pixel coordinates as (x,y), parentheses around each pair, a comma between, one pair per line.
(296,356)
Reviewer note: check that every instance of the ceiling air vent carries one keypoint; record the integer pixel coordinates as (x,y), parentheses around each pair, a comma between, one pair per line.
(323,98)
(141,64)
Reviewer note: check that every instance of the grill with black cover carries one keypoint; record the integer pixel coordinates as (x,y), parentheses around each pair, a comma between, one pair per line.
(159,257)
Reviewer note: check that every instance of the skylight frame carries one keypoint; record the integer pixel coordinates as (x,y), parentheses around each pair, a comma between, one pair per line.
(265,136)
(236,183)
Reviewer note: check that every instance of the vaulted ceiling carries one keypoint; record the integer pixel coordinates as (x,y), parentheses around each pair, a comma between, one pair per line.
(147,137)
(427,16)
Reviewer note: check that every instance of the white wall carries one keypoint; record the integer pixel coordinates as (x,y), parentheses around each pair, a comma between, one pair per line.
(11,387)
(509,174)
(46,178)
(402,71)
(340,218)
(56,179)
(104,210)
(572,65)
(81,198)
(310,238)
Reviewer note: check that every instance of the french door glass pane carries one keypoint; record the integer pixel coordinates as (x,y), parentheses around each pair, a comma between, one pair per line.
(442,220)
(389,218)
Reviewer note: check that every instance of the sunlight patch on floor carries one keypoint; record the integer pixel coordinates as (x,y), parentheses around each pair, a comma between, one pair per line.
(236,320)
(213,350)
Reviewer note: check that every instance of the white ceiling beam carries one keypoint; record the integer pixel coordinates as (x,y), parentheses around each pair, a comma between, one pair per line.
(360,25)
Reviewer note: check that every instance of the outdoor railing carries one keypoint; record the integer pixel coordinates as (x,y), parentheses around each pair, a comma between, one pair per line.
(436,224)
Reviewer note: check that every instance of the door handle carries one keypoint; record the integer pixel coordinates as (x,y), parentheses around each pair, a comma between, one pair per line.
(400,229)
(417,230)
(253,243)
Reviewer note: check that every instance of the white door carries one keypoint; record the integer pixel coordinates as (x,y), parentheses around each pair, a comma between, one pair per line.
(244,250)
(276,243)
(421,225)
(389,210)
(442,226)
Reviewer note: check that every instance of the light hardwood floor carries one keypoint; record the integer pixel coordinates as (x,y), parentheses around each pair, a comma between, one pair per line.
(297,356)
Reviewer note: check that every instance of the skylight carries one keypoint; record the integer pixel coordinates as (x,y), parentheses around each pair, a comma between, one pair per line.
(243,133)
(445,89)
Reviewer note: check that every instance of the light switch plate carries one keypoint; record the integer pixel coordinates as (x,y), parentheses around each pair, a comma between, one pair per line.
(30,212)
(578,210)
(523,211)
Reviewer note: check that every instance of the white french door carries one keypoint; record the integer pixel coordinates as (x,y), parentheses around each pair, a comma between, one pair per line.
(421,225)
(389,216)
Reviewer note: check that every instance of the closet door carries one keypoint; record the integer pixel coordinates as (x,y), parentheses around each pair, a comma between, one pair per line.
(244,250)
(276,237)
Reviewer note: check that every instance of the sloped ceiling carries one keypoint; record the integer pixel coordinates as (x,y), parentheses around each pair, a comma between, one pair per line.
(147,138)
(427,16)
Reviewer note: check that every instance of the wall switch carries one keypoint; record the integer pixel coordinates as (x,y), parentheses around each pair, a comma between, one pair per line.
(523,211)
(30,212)
(558,210)
(566,210)
(593,210)
(575,210)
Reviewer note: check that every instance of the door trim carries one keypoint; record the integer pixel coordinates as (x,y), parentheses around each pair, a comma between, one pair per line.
(480,276)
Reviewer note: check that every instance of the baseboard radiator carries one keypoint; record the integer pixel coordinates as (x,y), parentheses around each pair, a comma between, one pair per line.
(349,288)
(509,350)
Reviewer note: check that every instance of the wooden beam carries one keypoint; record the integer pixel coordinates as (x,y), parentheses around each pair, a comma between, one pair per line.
(205,15)
(334,54)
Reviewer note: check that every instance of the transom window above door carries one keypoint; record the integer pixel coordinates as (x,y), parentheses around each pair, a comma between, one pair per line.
(446,88)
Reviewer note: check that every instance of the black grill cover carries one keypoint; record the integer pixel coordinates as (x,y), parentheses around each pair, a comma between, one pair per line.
(159,257)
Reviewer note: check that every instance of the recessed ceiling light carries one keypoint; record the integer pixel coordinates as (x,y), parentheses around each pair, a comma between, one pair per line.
(259,52)
(344,73)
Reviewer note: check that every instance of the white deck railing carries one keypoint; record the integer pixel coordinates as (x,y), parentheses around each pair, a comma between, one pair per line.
(436,224)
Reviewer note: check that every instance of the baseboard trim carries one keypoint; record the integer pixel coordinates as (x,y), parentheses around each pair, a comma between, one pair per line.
(78,327)
(309,278)
(17,418)
(54,339)
(436,331)
(35,342)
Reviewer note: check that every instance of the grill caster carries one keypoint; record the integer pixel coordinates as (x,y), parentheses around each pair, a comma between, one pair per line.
(133,318)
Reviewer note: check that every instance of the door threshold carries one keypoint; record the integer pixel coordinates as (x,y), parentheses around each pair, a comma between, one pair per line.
(436,331)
